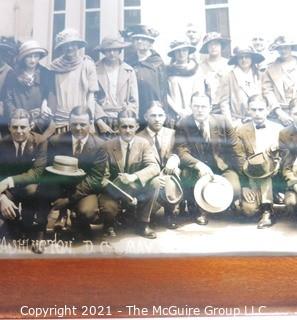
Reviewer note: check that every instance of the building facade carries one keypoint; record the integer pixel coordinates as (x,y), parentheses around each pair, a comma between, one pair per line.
(238,19)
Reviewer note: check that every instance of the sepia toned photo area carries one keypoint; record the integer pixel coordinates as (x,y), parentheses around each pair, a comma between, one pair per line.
(147,128)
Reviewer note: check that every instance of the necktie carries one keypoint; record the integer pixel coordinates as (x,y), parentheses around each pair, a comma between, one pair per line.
(19,150)
(203,131)
(260,126)
(126,167)
(158,147)
(77,150)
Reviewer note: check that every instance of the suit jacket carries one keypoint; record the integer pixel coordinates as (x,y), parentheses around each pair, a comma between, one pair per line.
(92,160)
(167,140)
(127,90)
(288,147)
(142,161)
(224,143)
(247,136)
(273,85)
(28,168)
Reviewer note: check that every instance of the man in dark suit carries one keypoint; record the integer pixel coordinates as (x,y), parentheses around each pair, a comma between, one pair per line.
(288,146)
(259,135)
(162,141)
(79,195)
(131,162)
(207,144)
(22,161)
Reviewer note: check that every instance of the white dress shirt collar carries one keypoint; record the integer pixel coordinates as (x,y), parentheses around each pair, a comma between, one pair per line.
(75,140)
(23,145)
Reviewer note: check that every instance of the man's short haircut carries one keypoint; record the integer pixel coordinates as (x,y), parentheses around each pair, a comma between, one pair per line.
(258,97)
(127,114)
(293,104)
(20,114)
(155,103)
(200,95)
(78,111)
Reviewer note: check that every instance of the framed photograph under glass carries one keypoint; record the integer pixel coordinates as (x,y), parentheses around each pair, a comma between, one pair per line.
(203,255)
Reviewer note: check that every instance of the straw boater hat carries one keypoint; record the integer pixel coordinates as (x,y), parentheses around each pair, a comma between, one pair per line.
(69,36)
(180,44)
(239,51)
(30,47)
(261,165)
(66,166)
(172,191)
(282,41)
(142,31)
(213,193)
(213,36)
(109,43)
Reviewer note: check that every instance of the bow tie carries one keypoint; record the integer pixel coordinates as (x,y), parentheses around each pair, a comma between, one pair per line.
(260,126)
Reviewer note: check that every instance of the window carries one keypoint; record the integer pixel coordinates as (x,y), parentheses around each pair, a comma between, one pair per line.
(92,4)
(58,21)
(92,27)
(210,2)
(59,5)
(217,19)
(132,12)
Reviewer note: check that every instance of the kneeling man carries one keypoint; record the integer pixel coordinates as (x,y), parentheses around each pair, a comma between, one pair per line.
(162,141)
(22,162)
(260,136)
(206,144)
(131,165)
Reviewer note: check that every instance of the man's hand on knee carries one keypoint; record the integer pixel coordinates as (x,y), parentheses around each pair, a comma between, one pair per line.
(7,207)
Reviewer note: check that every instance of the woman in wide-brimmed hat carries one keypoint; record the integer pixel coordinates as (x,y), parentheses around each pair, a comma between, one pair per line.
(75,77)
(280,79)
(183,79)
(242,82)
(214,67)
(150,69)
(117,86)
(29,86)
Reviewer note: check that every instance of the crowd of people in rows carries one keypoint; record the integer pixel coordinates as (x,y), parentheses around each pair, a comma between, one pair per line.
(111,142)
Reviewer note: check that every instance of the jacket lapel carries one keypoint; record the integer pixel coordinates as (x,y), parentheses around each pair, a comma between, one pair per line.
(152,143)
(117,153)
(133,152)
(275,74)
(193,133)
(29,147)
(123,78)
(250,138)
(102,77)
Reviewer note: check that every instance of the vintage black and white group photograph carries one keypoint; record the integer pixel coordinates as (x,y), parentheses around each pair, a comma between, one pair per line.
(147,128)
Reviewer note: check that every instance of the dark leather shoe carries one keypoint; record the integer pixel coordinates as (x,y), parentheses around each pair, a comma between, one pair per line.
(110,232)
(147,232)
(265,221)
(38,244)
(202,220)
(171,223)
(60,224)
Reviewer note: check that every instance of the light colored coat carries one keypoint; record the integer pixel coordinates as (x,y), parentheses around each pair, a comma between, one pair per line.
(273,85)
(127,91)
(141,161)
(234,98)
